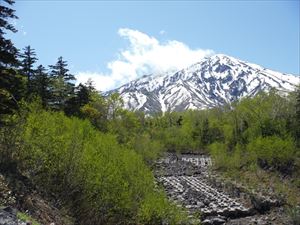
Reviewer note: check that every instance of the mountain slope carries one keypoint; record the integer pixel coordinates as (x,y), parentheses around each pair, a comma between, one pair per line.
(213,81)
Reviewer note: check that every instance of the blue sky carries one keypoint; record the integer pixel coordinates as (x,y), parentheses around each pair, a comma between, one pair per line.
(116,41)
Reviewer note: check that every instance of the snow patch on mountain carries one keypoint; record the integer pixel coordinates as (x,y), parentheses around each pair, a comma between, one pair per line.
(211,82)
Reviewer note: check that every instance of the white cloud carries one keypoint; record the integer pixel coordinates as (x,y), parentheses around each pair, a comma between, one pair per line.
(102,82)
(144,55)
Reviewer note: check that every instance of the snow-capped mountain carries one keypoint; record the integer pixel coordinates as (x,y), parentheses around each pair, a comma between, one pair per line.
(211,82)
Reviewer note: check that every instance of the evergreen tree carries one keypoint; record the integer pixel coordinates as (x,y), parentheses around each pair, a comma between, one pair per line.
(90,86)
(28,59)
(81,98)
(62,84)
(82,95)
(41,85)
(11,85)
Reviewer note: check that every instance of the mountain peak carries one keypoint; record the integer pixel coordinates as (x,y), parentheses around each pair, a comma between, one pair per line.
(211,82)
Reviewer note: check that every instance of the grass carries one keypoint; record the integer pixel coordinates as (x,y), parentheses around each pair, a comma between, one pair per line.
(26,218)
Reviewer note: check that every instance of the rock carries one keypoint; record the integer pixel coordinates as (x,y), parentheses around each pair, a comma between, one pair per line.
(8,216)
(260,222)
(6,196)
(10,210)
(188,181)
(253,221)
(214,221)
(206,222)
(273,218)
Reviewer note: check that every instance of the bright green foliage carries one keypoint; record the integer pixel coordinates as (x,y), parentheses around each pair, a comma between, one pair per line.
(226,160)
(259,131)
(178,140)
(126,126)
(104,182)
(115,104)
(103,177)
(218,152)
(10,143)
(149,149)
(255,131)
(273,151)
(155,209)
(25,218)
(96,111)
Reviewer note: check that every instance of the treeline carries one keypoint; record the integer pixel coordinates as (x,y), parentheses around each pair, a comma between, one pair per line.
(21,79)
(263,130)
(54,87)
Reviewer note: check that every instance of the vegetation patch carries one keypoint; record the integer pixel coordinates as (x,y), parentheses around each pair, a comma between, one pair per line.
(26,218)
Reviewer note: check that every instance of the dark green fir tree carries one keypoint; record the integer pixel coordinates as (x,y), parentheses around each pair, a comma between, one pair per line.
(11,83)
(62,84)
(28,59)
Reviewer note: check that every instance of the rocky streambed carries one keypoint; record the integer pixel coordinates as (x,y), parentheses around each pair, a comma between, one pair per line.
(188,182)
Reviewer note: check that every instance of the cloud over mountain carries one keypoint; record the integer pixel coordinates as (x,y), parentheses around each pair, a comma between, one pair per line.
(143,55)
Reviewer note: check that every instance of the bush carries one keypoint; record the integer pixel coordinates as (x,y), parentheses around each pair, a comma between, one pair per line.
(104,182)
(223,159)
(163,212)
(273,152)
(178,140)
(149,149)
(27,219)
(219,155)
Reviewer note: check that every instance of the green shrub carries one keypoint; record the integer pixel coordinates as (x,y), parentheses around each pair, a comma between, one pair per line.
(163,212)
(219,155)
(26,218)
(149,149)
(224,159)
(104,182)
(178,140)
(272,152)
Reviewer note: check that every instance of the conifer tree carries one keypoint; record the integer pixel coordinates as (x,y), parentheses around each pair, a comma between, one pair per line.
(90,86)
(82,95)
(62,84)
(41,85)
(28,59)
(11,85)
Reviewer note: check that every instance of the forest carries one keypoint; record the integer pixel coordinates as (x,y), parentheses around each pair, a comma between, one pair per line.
(96,157)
